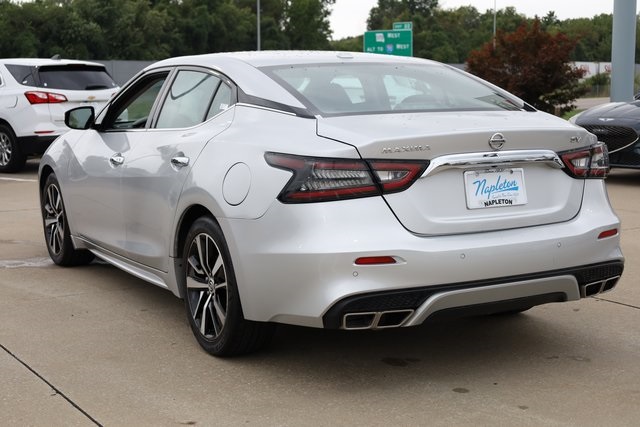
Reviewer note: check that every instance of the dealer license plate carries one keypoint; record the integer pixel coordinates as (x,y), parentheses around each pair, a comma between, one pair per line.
(495,188)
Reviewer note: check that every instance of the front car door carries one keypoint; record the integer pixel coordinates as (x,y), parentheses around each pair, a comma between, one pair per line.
(94,187)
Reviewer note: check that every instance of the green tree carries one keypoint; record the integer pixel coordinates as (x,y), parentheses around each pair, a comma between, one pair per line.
(533,65)
(350,44)
(306,23)
(17,20)
(593,37)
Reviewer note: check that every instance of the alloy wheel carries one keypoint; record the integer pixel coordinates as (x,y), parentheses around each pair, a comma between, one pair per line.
(54,222)
(207,290)
(5,149)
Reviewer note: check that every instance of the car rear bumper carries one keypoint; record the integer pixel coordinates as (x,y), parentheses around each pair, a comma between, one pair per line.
(297,262)
(408,307)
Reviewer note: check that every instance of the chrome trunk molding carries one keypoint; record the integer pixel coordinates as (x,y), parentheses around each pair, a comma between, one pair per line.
(493,159)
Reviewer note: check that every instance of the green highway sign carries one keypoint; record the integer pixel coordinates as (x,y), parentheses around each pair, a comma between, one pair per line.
(389,42)
(403,25)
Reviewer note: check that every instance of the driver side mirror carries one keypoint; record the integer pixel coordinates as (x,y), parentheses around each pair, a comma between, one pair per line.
(80,118)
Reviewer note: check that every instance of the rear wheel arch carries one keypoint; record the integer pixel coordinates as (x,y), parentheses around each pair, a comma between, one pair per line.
(210,293)
(7,124)
(188,217)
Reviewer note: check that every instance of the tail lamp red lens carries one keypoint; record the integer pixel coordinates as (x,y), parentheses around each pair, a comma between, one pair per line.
(608,233)
(375,260)
(590,162)
(39,97)
(325,179)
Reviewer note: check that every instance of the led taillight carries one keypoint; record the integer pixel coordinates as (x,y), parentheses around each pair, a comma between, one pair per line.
(324,179)
(39,97)
(591,162)
(397,175)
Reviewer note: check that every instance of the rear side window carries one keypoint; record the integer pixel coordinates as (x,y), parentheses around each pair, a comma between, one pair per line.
(188,100)
(221,101)
(75,77)
(22,73)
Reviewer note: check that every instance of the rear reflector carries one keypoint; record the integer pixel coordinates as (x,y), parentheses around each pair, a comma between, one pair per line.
(608,233)
(375,260)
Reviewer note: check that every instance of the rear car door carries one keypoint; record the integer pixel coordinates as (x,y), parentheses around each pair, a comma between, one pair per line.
(193,110)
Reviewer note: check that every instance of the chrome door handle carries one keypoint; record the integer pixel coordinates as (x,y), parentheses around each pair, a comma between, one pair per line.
(116,160)
(179,161)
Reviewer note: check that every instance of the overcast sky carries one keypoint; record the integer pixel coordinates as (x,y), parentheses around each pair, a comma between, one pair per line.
(349,16)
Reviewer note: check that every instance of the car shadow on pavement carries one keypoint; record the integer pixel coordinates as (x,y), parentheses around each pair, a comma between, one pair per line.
(444,352)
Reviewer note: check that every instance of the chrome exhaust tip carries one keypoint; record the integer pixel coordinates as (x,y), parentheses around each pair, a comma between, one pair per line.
(591,289)
(393,319)
(595,288)
(355,321)
(376,319)
(610,284)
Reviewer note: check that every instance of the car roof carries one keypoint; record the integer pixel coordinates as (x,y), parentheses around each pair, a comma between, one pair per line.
(39,62)
(290,57)
(242,67)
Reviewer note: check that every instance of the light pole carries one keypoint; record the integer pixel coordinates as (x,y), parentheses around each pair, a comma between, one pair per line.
(258,21)
(623,47)
(494,24)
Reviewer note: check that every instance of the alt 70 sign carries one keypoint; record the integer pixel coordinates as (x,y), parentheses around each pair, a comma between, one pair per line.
(389,42)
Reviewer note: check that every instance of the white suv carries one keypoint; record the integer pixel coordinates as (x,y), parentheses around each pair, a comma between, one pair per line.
(34,96)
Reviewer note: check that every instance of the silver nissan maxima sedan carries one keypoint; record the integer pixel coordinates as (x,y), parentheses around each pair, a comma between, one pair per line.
(330,190)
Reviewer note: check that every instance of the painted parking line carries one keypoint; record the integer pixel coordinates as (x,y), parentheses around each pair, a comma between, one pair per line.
(2,178)
(26,263)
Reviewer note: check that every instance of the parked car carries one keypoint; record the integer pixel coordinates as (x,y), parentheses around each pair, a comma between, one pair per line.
(35,94)
(261,191)
(617,124)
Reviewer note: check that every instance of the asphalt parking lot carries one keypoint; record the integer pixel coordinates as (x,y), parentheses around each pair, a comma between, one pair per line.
(93,345)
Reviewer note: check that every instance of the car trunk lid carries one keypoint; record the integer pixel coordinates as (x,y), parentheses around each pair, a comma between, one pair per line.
(470,186)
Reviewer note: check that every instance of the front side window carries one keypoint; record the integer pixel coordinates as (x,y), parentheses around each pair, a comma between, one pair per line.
(132,109)
(189,100)
(335,89)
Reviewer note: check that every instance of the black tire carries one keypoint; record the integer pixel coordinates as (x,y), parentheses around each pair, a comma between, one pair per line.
(211,295)
(56,229)
(11,157)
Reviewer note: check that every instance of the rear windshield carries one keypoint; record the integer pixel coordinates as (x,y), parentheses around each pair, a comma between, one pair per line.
(75,77)
(69,77)
(365,88)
